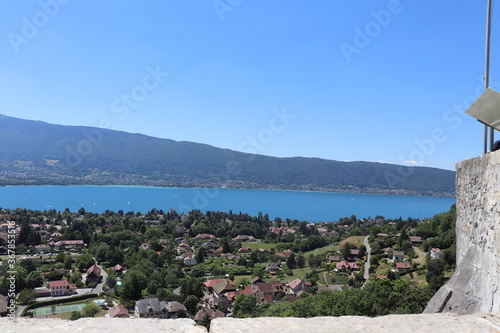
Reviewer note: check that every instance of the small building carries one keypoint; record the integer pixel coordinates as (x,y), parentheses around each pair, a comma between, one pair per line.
(153,308)
(273,267)
(398,256)
(93,274)
(415,240)
(61,288)
(42,248)
(402,266)
(118,311)
(436,253)
(297,286)
(208,313)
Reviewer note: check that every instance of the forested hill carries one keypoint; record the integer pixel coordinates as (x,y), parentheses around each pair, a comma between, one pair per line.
(34,152)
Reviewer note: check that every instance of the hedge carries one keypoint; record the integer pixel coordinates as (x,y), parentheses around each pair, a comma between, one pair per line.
(57,301)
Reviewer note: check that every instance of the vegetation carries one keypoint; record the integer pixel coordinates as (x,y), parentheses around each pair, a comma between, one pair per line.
(148,247)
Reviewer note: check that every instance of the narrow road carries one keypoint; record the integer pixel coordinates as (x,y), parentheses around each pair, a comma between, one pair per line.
(366,276)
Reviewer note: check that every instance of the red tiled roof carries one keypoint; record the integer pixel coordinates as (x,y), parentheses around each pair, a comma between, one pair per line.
(213,282)
(293,284)
(59,283)
(118,310)
(248,290)
(94,269)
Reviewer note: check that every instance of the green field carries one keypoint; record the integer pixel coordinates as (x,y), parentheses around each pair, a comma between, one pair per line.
(47,310)
(322,250)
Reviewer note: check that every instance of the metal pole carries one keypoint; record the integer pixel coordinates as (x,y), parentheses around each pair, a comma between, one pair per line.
(487,71)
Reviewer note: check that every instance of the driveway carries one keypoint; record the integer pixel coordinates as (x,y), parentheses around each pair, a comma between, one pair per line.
(99,286)
(366,276)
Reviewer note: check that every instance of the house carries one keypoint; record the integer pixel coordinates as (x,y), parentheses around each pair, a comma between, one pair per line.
(42,292)
(68,244)
(145,246)
(118,311)
(415,240)
(354,255)
(332,259)
(382,235)
(297,286)
(118,269)
(149,308)
(93,274)
(436,253)
(244,249)
(175,309)
(244,238)
(183,248)
(209,285)
(204,236)
(189,258)
(268,292)
(344,266)
(61,288)
(382,277)
(273,267)
(209,313)
(402,266)
(42,248)
(263,251)
(398,256)
(387,250)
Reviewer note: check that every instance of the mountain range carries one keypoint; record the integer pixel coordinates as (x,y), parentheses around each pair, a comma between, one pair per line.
(38,153)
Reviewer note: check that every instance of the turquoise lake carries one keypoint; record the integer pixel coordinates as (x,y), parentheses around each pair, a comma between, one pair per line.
(307,206)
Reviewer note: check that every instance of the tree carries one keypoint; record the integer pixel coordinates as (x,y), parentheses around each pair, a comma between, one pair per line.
(34,279)
(191,304)
(435,273)
(90,310)
(111,280)
(346,251)
(290,262)
(67,262)
(26,296)
(60,257)
(301,260)
(244,306)
(75,315)
(84,261)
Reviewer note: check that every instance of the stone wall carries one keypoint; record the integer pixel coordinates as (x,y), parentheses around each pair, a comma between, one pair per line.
(422,323)
(474,286)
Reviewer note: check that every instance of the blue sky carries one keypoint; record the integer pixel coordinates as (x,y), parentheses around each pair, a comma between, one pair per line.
(345,80)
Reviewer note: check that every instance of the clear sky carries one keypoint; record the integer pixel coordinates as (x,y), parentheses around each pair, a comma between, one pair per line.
(345,80)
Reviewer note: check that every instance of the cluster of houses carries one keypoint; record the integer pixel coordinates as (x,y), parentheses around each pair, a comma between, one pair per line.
(220,294)
(64,288)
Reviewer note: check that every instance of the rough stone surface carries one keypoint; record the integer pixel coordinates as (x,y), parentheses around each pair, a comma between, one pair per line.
(473,288)
(422,323)
(98,325)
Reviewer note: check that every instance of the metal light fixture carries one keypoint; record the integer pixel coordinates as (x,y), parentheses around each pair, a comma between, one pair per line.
(486,108)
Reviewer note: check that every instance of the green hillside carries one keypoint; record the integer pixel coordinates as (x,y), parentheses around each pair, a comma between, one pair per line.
(34,152)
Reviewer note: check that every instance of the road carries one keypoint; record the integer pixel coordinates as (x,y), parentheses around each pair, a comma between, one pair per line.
(366,276)
(99,286)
